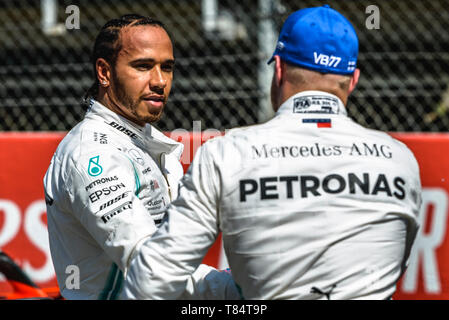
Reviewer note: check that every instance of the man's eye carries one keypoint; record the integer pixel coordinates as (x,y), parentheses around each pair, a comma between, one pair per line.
(143,67)
(167,68)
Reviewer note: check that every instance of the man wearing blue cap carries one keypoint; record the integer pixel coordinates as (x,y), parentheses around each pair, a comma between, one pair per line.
(310,204)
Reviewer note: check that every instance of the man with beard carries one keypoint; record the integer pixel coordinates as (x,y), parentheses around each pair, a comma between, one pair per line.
(113,175)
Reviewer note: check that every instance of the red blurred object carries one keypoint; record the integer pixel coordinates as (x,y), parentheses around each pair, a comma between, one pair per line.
(23,287)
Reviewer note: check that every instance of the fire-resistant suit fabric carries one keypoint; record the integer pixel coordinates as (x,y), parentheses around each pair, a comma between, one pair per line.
(311,205)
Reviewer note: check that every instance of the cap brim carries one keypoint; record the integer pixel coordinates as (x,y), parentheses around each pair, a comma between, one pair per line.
(271,60)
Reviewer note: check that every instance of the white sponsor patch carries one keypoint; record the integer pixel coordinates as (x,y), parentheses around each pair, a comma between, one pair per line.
(325,60)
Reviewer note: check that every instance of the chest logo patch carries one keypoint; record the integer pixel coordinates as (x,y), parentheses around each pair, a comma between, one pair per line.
(94,168)
(136,156)
(154,185)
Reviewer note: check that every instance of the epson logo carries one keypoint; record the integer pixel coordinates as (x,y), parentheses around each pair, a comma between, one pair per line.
(121,128)
(325,60)
(104,192)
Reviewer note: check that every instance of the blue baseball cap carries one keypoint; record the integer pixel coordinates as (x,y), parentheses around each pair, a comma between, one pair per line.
(320,39)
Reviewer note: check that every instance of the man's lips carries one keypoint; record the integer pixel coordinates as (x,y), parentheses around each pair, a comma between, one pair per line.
(154,100)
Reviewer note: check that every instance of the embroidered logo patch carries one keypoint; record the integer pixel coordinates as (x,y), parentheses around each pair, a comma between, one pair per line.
(321,123)
(94,168)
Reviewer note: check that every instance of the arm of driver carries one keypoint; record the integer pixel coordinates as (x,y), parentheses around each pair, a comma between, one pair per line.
(168,264)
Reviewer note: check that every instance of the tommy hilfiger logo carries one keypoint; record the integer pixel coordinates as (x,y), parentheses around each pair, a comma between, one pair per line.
(321,123)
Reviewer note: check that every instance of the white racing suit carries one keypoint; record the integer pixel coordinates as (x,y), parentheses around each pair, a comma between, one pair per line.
(311,206)
(106,190)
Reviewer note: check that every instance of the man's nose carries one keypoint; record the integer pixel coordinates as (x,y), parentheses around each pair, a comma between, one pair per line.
(157,79)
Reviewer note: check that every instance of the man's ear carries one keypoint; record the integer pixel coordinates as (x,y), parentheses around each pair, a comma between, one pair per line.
(354,80)
(103,69)
(278,70)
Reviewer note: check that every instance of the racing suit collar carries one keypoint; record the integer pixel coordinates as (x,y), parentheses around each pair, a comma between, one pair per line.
(153,140)
(160,143)
(312,102)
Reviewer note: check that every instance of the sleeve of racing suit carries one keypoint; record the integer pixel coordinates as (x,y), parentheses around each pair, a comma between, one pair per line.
(183,240)
(415,186)
(104,196)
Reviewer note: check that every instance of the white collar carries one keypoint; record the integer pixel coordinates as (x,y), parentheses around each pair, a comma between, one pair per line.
(312,102)
(148,136)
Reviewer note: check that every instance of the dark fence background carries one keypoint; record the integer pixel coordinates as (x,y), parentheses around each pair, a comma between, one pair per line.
(221,47)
